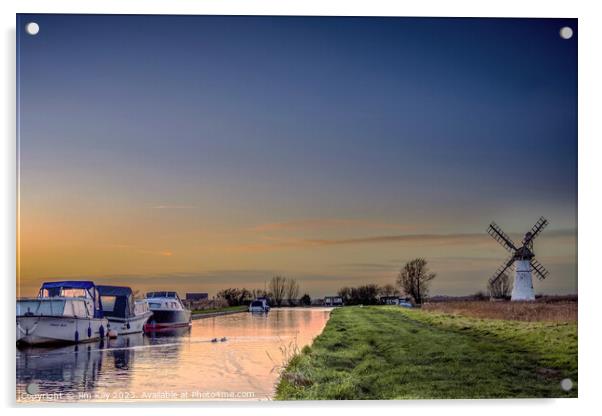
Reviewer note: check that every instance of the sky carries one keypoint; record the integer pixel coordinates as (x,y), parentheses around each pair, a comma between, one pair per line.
(196,153)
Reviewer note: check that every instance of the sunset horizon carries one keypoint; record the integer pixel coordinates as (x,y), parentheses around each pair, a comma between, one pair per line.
(328,150)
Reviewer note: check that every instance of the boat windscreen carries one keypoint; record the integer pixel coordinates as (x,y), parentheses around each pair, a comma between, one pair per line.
(118,306)
(161,295)
(140,307)
(257,303)
(41,307)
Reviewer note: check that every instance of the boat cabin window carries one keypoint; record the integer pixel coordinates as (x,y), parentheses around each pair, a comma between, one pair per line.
(47,308)
(154,305)
(161,295)
(63,292)
(108,303)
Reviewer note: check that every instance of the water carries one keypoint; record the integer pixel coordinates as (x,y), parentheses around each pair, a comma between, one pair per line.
(182,365)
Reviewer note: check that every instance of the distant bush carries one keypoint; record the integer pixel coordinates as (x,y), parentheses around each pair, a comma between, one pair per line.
(305,300)
(480,296)
(361,295)
(235,296)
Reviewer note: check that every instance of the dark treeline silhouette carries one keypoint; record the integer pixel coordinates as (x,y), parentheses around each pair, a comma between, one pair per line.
(282,290)
(364,295)
(237,296)
(413,281)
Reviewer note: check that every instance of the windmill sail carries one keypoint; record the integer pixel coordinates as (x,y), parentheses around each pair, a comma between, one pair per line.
(502,269)
(541,271)
(536,229)
(501,237)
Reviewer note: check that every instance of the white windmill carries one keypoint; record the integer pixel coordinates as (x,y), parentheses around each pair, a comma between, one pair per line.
(523,259)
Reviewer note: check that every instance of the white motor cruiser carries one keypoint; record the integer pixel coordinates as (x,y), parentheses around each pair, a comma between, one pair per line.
(259,305)
(125,315)
(63,312)
(168,312)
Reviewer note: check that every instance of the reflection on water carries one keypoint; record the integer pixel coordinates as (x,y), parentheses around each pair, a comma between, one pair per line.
(232,357)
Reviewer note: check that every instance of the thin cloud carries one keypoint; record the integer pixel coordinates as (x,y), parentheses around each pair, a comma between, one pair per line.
(173,207)
(129,247)
(459,239)
(320,223)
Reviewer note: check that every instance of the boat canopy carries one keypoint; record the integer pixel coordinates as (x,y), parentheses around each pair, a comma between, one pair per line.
(73,289)
(118,301)
(114,290)
(69,284)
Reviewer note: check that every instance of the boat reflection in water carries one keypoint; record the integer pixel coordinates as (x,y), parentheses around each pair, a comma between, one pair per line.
(168,333)
(65,371)
(99,371)
(239,353)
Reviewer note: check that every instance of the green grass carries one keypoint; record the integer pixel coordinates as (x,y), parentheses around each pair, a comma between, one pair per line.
(224,309)
(392,353)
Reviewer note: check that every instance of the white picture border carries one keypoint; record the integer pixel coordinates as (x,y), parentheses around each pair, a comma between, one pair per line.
(590,138)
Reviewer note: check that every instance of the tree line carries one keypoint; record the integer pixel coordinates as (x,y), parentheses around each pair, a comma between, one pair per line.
(281,290)
(412,281)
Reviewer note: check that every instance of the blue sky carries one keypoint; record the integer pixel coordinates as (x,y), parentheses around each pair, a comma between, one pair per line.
(190,134)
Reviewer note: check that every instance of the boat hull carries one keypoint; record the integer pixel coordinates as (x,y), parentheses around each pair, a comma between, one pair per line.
(131,325)
(166,319)
(43,330)
(258,309)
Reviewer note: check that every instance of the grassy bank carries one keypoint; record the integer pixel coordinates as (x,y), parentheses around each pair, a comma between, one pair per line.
(392,353)
(224,309)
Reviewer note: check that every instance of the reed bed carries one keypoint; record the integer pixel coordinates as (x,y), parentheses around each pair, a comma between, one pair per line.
(541,310)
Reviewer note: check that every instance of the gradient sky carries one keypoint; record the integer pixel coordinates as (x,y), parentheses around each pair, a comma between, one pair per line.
(200,152)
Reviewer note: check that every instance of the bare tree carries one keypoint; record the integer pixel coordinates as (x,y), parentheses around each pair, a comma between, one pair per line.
(345,294)
(388,290)
(260,293)
(292,290)
(278,289)
(501,287)
(414,279)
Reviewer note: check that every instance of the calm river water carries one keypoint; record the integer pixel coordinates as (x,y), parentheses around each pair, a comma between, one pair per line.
(173,366)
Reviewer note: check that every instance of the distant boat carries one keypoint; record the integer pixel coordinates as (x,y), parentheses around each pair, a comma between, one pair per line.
(259,305)
(125,315)
(63,312)
(168,311)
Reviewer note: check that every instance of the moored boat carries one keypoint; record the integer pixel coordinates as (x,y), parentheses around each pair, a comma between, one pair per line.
(168,311)
(63,312)
(125,315)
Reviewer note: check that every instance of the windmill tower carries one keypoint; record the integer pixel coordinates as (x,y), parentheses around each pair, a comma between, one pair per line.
(522,258)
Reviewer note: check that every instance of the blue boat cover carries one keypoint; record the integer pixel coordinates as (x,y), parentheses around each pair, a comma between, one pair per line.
(114,290)
(70,284)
